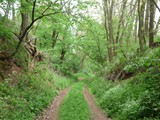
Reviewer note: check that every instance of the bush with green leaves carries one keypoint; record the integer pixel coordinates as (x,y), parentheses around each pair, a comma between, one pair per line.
(121,101)
(149,59)
(5,31)
(151,98)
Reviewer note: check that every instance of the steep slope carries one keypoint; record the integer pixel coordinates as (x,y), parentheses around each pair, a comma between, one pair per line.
(134,98)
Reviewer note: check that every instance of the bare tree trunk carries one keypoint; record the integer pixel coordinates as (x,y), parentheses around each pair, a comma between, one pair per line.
(29,41)
(54,38)
(82,61)
(8,9)
(130,24)
(121,21)
(13,12)
(25,19)
(157,26)
(136,29)
(24,24)
(151,24)
(111,36)
(141,32)
(63,52)
(147,18)
(108,12)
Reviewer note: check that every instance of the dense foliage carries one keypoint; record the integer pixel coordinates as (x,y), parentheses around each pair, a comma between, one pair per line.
(137,98)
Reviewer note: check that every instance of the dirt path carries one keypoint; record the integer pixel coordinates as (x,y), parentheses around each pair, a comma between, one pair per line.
(51,113)
(96,112)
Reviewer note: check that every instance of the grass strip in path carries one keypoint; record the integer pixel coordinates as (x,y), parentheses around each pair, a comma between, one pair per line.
(74,106)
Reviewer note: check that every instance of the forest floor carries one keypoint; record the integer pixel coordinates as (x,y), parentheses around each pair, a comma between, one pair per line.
(51,113)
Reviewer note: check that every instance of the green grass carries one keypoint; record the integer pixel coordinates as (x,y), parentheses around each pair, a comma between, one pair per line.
(74,106)
(33,92)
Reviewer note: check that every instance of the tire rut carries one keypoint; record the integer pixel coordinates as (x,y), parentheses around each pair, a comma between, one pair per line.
(51,113)
(96,112)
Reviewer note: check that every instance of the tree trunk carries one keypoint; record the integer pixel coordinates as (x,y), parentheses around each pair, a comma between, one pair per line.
(121,19)
(135,29)
(29,41)
(63,52)
(8,9)
(111,36)
(24,24)
(141,32)
(13,12)
(82,61)
(108,12)
(54,38)
(147,18)
(157,26)
(151,24)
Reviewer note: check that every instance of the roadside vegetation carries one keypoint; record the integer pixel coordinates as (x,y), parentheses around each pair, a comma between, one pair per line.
(31,93)
(134,98)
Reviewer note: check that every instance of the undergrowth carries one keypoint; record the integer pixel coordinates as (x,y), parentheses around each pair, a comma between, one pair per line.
(33,92)
(136,98)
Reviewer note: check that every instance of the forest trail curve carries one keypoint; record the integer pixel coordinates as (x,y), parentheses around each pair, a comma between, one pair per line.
(51,113)
(96,112)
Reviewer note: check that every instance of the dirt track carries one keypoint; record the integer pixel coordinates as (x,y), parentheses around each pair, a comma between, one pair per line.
(52,112)
(96,112)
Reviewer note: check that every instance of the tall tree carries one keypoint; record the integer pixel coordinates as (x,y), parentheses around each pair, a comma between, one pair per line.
(8,9)
(141,30)
(24,16)
(147,17)
(121,20)
(108,14)
(48,10)
(151,23)
(13,12)
(54,38)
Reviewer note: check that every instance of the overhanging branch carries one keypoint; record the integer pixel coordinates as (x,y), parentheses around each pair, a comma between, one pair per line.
(33,9)
(156,5)
(21,37)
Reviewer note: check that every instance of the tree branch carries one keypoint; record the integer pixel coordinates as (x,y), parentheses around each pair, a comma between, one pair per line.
(47,8)
(27,28)
(33,9)
(156,5)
